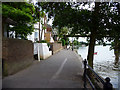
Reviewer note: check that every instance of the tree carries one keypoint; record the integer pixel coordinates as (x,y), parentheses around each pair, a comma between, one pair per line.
(41,15)
(63,32)
(63,42)
(114,31)
(93,23)
(93,34)
(82,22)
(22,13)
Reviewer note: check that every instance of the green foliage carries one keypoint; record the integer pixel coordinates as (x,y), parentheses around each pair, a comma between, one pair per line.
(67,41)
(63,42)
(19,12)
(62,32)
(48,44)
(75,42)
(113,45)
(43,41)
(59,41)
(103,20)
(22,14)
(83,21)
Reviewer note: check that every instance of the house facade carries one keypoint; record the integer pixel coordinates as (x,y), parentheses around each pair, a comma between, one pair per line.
(45,34)
(48,34)
(35,35)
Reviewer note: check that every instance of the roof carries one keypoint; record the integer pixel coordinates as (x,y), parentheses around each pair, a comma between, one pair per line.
(10,21)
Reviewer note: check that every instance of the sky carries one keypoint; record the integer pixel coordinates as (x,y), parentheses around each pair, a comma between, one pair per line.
(80,39)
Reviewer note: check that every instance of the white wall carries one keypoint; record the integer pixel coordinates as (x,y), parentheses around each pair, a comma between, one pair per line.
(32,37)
(43,50)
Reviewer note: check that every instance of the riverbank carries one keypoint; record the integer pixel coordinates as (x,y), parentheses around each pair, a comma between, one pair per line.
(103,62)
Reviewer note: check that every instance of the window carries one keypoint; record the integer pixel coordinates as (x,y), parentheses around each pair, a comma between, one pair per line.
(36,35)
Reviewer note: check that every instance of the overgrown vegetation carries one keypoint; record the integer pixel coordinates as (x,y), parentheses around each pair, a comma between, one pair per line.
(63,42)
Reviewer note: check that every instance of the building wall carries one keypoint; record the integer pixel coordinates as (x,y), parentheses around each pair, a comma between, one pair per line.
(17,54)
(55,47)
(47,36)
(33,36)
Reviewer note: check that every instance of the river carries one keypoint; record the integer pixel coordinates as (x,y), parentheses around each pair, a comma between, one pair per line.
(103,62)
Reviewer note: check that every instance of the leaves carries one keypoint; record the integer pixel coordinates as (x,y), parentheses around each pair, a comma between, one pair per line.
(22,13)
(16,14)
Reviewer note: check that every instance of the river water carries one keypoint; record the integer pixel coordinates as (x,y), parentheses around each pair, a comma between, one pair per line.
(103,62)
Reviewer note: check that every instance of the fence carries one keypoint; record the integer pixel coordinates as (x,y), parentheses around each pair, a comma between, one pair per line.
(106,85)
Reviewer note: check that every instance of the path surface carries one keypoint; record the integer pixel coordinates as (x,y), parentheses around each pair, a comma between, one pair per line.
(62,70)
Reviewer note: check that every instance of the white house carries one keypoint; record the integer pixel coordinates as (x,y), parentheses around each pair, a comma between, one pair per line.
(35,35)
(40,48)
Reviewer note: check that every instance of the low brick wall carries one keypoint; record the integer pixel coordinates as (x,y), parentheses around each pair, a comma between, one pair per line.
(55,47)
(17,54)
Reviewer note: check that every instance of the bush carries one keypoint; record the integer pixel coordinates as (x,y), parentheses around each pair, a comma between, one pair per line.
(48,44)
(43,41)
(59,42)
(67,41)
(63,42)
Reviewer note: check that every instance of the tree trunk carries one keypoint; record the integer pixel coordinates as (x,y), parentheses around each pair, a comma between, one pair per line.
(94,29)
(90,56)
(39,32)
(116,41)
(42,27)
(116,51)
(42,31)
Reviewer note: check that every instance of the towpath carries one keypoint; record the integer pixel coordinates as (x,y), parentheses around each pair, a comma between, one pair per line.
(62,70)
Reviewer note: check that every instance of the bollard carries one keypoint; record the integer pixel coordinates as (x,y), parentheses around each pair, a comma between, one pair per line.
(85,62)
(72,47)
(107,84)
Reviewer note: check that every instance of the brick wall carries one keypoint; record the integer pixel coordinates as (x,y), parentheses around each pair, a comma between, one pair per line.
(55,47)
(17,54)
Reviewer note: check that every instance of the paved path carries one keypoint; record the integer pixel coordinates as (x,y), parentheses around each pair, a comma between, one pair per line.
(62,70)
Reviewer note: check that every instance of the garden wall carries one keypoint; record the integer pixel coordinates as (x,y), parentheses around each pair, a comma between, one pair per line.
(55,47)
(17,54)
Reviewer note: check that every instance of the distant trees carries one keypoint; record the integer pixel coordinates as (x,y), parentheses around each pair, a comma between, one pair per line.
(63,32)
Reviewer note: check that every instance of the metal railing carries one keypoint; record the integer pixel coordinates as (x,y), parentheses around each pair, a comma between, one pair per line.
(106,85)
